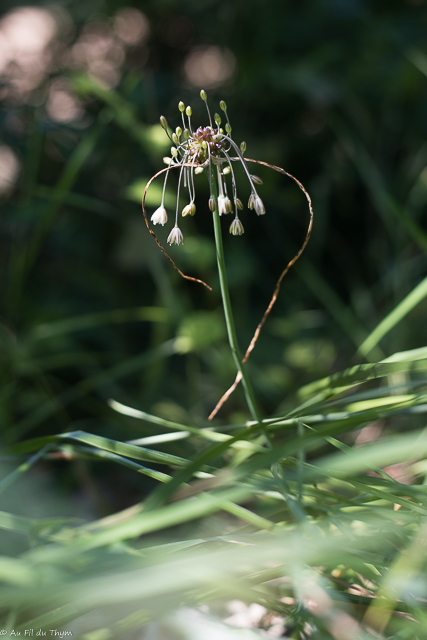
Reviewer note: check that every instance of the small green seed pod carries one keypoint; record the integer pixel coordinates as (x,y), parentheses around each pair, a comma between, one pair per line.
(163,122)
(181,106)
(188,111)
(217,119)
(243,147)
(228,127)
(223,105)
(203,95)
(186,134)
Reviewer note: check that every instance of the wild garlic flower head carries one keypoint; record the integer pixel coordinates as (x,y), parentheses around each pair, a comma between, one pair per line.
(211,150)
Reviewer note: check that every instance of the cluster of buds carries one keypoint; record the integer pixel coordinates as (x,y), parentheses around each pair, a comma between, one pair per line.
(206,148)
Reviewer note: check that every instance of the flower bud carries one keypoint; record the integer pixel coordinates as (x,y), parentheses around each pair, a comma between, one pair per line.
(189,210)
(175,138)
(228,127)
(239,204)
(181,106)
(198,170)
(251,201)
(243,147)
(178,131)
(188,111)
(186,134)
(217,119)
(212,204)
(167,160)
(223,105)
(163,122)
(174,152)
(203,95)
(236,227)
(257,179)
(226,171)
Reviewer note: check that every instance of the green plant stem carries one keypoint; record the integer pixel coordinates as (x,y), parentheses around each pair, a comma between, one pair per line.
(229,319)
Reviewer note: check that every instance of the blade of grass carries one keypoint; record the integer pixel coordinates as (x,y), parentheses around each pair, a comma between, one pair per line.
(395,316)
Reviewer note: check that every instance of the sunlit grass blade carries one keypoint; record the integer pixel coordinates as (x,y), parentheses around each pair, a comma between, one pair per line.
(364,372)
(393,318)
(207,433)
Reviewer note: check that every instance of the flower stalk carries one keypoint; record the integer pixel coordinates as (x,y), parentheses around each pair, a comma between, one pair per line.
(228,313)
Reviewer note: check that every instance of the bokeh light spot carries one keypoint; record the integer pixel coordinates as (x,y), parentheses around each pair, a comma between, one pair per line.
(62,105)
(131,26)
(209,66)
(9,169)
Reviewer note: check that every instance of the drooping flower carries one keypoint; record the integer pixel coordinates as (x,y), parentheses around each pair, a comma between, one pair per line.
(259,206)
(224,205)
(236,227)
(160,216)
(189,210)
(175,236)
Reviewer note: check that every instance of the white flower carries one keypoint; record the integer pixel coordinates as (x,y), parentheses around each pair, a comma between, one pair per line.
(251,201)
(175,236)
(236,227)
(159,216)
(259,206)
(224,205)
(189,210)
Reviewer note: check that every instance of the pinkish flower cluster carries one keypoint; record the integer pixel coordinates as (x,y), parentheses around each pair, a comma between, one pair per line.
(207,148)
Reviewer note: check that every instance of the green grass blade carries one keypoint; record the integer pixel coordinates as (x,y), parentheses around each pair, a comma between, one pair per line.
(394,317)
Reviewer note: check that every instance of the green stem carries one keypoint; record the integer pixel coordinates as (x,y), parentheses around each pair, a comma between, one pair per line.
(229,319)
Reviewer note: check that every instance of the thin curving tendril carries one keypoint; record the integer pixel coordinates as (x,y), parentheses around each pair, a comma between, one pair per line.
(189,164)
(252,343)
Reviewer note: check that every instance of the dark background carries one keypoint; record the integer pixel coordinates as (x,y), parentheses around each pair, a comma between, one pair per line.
(333,91)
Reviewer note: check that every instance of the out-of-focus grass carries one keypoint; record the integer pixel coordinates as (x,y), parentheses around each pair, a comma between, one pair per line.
(311,501)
